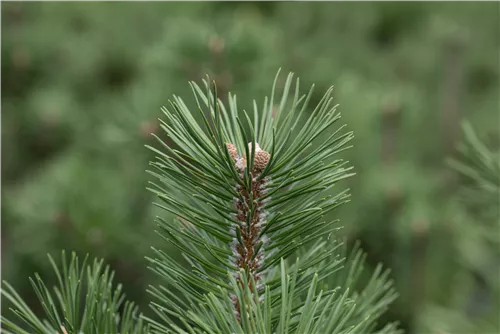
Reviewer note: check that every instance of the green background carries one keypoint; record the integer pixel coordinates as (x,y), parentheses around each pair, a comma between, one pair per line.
(82,87)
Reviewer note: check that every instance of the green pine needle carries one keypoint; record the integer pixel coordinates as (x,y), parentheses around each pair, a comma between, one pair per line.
(251,195)
(251,191)
(85,301)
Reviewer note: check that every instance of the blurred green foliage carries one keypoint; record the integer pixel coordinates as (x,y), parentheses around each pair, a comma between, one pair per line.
(82,87)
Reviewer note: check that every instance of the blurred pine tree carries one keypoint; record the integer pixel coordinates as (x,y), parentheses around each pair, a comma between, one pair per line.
(82,84)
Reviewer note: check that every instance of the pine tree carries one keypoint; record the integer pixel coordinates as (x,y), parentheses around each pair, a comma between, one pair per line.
(250,192)
(478,202)
(79,85)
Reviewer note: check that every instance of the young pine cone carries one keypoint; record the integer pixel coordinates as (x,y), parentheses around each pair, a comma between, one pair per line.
(261,157)
(260,161)
(233,152)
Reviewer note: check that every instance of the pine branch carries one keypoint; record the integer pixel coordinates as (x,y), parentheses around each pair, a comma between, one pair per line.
(249,193)
(481,166)
(85,301)
(251,224)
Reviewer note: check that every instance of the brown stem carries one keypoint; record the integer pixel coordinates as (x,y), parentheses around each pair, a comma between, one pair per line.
(391,117)
(420,240)
(452,90)
(248,251)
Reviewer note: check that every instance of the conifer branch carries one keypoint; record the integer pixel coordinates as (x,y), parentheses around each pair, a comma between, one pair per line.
(85,301)
(249,200)
(254,191)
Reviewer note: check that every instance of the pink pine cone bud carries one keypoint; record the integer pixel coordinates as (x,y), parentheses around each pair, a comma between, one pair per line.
(261,157)
(233,152)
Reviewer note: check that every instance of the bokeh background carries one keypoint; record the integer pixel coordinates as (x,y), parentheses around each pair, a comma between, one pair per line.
(82,87)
